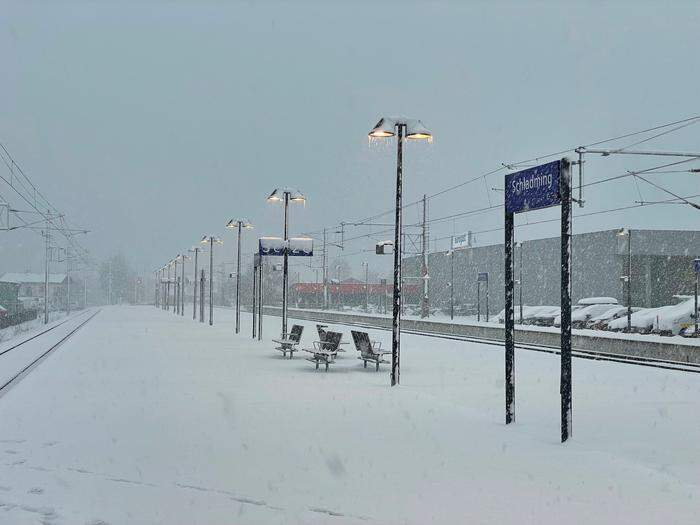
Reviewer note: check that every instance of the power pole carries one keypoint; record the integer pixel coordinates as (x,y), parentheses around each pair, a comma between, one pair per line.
(47,237)
(425,307)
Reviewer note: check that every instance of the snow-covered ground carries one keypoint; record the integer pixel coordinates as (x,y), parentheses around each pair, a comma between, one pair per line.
(145,417)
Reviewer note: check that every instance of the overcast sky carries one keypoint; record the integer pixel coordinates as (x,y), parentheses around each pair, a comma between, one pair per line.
(153,123)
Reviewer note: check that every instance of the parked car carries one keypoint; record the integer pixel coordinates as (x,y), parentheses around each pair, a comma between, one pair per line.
(587,308)
(664,320)
(600,321)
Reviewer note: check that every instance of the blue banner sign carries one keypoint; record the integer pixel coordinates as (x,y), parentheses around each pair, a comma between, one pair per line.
(274,246)
(533,188)
(271,246)
(696,265)
(301,247)
(482,277)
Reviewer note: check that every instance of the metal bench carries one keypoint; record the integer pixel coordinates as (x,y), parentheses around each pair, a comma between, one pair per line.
(369,350)
(289,342)
(325,351)
(321,328)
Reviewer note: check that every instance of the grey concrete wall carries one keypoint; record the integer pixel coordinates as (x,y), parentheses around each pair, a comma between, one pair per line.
(661,267)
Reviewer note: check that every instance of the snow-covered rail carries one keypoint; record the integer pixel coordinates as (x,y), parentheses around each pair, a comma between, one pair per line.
(630,351)
(19,358)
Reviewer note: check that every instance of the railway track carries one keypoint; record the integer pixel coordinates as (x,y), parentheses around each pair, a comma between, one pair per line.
(581,354)
(7,382)
(39,334)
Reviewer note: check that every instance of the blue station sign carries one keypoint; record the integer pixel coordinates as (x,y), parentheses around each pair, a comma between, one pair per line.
(533,188)
(696,265)
(296,247)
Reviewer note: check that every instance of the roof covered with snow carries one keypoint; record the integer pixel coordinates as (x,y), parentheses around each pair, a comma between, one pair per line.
(32,278)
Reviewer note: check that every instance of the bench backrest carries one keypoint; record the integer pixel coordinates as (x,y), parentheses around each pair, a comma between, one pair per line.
(332,341)
(295,334)
(321,332)
(362,342)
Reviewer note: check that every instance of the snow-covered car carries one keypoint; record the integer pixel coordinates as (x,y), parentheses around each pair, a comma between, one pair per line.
(665,320)
(587,308)
(544,316)
(531,314)
(600,321)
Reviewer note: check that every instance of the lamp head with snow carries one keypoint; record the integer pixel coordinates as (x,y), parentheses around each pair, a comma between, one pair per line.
(294,195)
(415,129)
(275,196)
(210,238)
(383,128)
(245,223)
(622,232)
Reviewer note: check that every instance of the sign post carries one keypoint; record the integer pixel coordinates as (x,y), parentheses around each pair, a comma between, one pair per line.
(531,189)
(256,264)
(275,246)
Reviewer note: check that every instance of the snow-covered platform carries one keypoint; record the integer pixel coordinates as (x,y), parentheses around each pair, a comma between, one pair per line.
(145,417)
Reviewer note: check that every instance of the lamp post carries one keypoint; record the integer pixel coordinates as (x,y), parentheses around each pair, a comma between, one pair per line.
(167,287)
(182,285)
(210,240)
(410,129)
(163,287)
(195,250)
(622,232)
(238,224)
(285,194)
(176,289)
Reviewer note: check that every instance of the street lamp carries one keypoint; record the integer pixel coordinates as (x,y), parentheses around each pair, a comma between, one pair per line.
(210,240)
(238,224)
(183,258)
(178,284)
(173,264)
(195,250)
(622,232)
(165,270)
(410,129)
(285,194)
